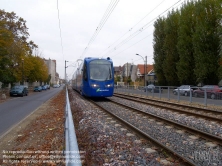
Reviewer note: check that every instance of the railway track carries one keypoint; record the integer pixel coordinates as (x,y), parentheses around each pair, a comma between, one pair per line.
(210,126)
(157,145)
(187,143)
(215,115)
(133,149)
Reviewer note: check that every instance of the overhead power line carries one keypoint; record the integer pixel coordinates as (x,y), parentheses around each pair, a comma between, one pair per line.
(133,44)
(139,30)
(135,25)
(148,13)
(105,17)
(60,29)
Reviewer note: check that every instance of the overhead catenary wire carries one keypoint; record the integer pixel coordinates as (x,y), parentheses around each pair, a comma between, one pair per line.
(148,13)
(60,31)
(102,22)
(105,17)
(133,44)
(139,30)
(121,43)
(135,25)
(70,74)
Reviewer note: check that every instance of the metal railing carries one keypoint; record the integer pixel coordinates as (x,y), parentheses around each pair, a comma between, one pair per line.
(72,154)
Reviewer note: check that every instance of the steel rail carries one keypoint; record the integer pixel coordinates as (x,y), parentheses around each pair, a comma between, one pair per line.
(167,102)
(167,105)
(140,132)
(190,129)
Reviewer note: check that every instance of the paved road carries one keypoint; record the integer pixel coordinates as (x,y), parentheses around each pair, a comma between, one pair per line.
(16,109)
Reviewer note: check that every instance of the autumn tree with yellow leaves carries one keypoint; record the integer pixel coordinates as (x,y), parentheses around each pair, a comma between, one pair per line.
(16,52)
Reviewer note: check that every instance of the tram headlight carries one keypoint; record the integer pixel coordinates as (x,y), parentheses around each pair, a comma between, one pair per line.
(94,85)
(109,85)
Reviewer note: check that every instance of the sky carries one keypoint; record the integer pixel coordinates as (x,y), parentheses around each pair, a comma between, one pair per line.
(70,30)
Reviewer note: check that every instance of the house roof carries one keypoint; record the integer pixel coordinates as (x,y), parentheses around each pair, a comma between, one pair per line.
(119,68)
(148,69)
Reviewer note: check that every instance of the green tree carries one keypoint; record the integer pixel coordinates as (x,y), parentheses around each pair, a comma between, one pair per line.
(129,80)
(15,24)
(191,48)
(39,71)
(186,64)
(159,53)
(6,66)
(14,47)
(206,41)
(48,79)
(117,79)
(219,30)
(171,53)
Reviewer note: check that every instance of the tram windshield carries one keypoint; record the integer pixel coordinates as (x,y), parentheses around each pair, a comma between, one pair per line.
(100,70)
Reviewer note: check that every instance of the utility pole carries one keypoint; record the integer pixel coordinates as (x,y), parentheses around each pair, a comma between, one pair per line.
(145,69)
(145,61)
(127,75)
(22,71)
(65,71)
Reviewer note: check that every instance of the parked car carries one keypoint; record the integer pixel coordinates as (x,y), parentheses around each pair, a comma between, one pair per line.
(19,90)
(44,87)
(48,86)
(212,91)
(152,88)
(184,90)
(37,89)
(56,86)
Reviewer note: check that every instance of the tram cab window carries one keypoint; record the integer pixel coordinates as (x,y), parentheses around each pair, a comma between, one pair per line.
(95,73)
(100,70)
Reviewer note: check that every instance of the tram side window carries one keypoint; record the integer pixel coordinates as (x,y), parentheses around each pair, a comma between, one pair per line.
(85,72)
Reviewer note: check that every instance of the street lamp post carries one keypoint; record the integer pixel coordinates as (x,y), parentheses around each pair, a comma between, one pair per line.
(145,68)
(22,71)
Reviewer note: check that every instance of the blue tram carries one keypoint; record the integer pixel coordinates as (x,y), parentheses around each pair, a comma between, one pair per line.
(94,77)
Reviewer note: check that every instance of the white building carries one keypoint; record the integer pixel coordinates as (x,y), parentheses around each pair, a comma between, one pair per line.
(51,64)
